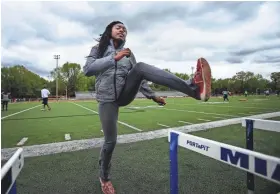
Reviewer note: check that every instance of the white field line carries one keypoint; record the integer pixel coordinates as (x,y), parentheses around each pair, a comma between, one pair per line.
(22,141)
(221,102)
(142,107)
(242,113)
(207,113)
(125,124)
(203,119)
(19,112)
(225,106)
(67,137)
(84,107)
(163,125)
(132,127)
(185,122)
(75,145)
(219,117)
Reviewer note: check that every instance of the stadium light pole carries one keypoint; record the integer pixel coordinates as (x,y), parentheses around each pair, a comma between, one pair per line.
(192,71)
(66,92)
(56,57)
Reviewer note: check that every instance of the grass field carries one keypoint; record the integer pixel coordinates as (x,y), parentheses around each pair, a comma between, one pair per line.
(81,121)
(143,167)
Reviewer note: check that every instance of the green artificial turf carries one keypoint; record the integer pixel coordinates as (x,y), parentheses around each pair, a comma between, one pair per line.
(42,127)
(143,168)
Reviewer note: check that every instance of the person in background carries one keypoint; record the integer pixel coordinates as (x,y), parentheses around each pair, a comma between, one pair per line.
(5,100)
(246,93)
(266,93)
(45,96)
(225,94)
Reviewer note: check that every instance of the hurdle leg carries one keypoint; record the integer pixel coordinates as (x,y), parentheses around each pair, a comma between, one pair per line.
(250,146)
(173,150)
(13,189)
(10,172)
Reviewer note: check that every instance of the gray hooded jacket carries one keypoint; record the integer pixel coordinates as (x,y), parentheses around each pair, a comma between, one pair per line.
(111,75)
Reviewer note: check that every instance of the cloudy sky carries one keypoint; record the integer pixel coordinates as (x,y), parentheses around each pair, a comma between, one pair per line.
(232,36)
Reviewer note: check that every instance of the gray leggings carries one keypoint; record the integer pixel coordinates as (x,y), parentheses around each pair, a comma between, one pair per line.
(108,111)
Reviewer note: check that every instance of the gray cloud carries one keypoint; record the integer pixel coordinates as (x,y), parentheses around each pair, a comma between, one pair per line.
(146,16)
(249,51)
(268,59)
(234,60)
(164,33)
(140,20)
(271,35)
(240,9)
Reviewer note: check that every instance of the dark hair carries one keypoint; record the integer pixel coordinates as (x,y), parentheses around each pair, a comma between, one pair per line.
(104,40)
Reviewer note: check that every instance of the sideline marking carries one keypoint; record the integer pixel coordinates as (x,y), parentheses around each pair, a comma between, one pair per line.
(163,125)
(242,114)
(125,124)
(185,122)
(226,106)
(22,141)
(207,113)
(219,117)
(19,112)
(67,137)
(203,119)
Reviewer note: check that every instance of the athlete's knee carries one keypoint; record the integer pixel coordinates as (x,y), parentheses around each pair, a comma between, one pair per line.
(139,65)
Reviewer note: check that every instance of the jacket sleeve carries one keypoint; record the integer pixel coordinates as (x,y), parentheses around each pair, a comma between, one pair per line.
(144,88)
(94,66)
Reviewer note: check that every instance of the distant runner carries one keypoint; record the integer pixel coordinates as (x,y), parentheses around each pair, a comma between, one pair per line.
(45,96)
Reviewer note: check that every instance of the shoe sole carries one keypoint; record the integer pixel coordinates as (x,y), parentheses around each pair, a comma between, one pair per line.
(206,76)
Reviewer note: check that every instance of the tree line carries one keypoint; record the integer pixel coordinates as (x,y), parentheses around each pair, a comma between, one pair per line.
(23,83)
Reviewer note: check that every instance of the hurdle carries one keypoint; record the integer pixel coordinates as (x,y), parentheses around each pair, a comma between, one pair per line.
(251,124)
(10,172)
(265,166)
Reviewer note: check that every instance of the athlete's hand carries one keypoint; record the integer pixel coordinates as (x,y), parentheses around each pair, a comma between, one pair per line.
(159,100)
(121,54)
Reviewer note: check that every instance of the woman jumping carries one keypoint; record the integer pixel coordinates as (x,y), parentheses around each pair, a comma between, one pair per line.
(119,78)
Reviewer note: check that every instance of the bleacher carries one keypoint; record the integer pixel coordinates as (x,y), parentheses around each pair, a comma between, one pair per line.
(170,94)
(89,95)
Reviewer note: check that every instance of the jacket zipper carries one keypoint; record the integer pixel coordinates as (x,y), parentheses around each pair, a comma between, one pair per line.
(115,87)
